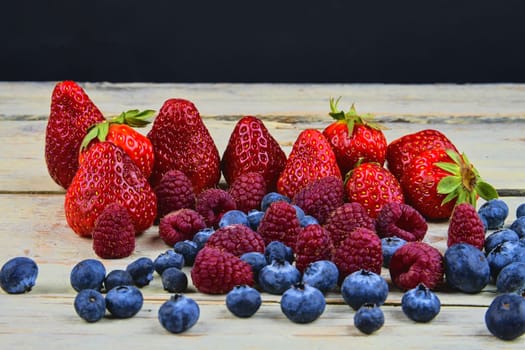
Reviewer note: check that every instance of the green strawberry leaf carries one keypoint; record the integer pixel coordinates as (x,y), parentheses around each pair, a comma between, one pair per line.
(449,184)
(454,156)
(449,197)
(448,167)
(486,190)
(134,118)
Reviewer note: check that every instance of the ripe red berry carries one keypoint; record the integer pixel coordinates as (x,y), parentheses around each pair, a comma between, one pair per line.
(180,225)
(401,220)
(212,204)
(466,227)
(248,190)
(313,244)
(345,219)
(114,234)
(174,192)
(280,223)
(236,239)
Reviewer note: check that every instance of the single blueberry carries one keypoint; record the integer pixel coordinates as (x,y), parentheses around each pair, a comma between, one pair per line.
(201,237)
(233,217)
(302,303)
(169,258)
(188,249)
(364,287)
(299,212)
(141,270)
(178,314)
(495,211)
(511,278)
(87,274)
(369,318)
(243,301)
(504,254)
(18,275)
(278,276)
(124,301)
(118,278)
(420,304)
(254,218)
(505,316)
(256,260)
(520,210)
(518,226)
(466,268)
(497,237)
(308,220)
(321,274)
(90,305)
(174,280)
(389,245)
(271,197)
(277,250)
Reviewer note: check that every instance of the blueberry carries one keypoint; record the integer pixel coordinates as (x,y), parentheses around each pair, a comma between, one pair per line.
(188,249)
(124,301)
(369,318)
(118,278)
(141,270)
(87,274)
(201,237)
(178,314)
(302,303)
(466,268)
(18,275)
(90,305)
(520,210)
(243,301)
(518,226)
(498,237)
(169,258)
(389,246)
(299,212)
(511,278)
(505,316)
(254,218)
(364,287)
(277,250)
(495,211)
(232,217)
(504,254)
(174,280)
(271,197)
(308,220)
(321,274)
(278,276)
(256,260)
(420,304)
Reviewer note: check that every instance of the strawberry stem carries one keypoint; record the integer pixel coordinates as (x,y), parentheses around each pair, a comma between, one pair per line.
(352,118)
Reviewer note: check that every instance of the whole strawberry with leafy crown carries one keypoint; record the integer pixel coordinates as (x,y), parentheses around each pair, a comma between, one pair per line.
(251,148)
(354,138)
(107,175)
(181,141)
(438,179)
(311,159)
(72,113)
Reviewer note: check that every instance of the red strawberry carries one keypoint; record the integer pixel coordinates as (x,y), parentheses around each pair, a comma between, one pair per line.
(311,158)
(251,148)
(347,218)
(216,271)
(401,151)
(72,113)
(114,234)
(438,179)
(280,223)
(181,141)
(354,138)
(108,175)
(248,190)
(120,131)
(236,239)
(373,186)
(313,244)
(466,227)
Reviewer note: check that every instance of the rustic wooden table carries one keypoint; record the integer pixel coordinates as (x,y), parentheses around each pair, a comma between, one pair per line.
(484,121)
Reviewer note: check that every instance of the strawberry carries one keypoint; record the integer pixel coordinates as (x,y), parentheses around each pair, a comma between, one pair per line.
(373,186)
(400,152)
(108,175)
(438,179)
(120,131)
(181,141)
(311,158)
(251,148)
(354,138)
(72,113)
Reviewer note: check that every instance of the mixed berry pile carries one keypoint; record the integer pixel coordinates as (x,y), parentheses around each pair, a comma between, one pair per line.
(342,206)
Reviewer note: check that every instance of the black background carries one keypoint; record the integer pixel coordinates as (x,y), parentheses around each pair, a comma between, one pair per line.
(264,41)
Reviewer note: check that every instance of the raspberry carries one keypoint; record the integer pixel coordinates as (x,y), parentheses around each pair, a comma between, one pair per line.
(114,234)
(345,219)
(313,244)
(466,227)
(248,190)
(174,192)
(180,225)
(212,204)
(280,223)
(361,250)
(216,271)
(414,263)
(401,220)
(321,197)
(236,239)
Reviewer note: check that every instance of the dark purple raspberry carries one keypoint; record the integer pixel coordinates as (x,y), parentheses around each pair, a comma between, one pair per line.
(248,191)
(466,227)
(280,223)
(114,234)
(236,239)
(401,220)
(345,219)
(174,192)
(180,225)
(313,244)
(212,204)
